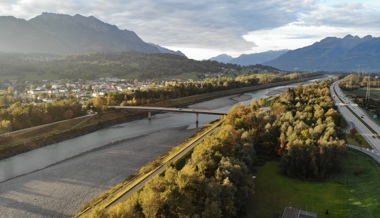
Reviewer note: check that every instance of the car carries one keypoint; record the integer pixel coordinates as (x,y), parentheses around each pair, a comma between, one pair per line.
(373,136)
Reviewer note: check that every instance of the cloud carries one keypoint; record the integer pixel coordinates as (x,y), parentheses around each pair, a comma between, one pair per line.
(207,24)
(218,25)
(344,15)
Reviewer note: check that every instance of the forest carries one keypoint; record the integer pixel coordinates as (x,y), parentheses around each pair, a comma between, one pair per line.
(16,115)
(302,131)
(126,65)
(21,116)
(174,89)
(107,64)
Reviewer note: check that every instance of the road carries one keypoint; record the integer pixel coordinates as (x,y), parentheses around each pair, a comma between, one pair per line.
(348,110)
(373,153)
(165,109)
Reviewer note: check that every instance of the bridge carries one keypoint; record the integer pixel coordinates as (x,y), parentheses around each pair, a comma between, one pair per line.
(166,109)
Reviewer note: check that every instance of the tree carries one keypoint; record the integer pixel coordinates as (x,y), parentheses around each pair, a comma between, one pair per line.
(353,132)
(68,114)
(6,126)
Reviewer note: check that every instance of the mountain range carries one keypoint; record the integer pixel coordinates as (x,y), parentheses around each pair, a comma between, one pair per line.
(249,59)
(65,34)
(334,54)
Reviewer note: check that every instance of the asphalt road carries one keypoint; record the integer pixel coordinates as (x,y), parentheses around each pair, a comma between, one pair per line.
(356,121)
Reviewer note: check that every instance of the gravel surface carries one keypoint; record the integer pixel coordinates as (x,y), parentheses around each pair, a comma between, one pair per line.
(61,189)
(277,91)
(221,102)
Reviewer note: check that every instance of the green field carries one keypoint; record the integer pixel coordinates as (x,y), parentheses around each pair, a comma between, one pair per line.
(374,93)
(358,140)
(344,195)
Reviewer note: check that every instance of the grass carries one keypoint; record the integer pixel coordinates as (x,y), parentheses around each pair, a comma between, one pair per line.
(375,92)
(359,141)
(185,76)
(344,195)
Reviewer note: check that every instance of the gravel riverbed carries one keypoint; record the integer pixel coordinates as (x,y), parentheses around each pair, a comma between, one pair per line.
(61,189)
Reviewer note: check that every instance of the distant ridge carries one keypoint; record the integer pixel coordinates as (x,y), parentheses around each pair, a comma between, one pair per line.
(257,58)
(165,50)
(223,58)
(249,59)
(333,54)
(65,34)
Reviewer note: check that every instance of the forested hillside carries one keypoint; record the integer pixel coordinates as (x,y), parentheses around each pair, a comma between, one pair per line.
(301,130)
(127,65)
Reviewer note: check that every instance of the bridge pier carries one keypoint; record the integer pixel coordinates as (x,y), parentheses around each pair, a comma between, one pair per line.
(149,115)
(197,118)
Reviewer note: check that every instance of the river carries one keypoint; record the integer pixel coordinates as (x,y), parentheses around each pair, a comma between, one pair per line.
(56,180)
(43,157)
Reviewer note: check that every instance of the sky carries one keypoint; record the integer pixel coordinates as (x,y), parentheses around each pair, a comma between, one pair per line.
(204,29)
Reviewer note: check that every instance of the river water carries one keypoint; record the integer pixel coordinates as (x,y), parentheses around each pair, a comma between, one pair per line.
(43,157)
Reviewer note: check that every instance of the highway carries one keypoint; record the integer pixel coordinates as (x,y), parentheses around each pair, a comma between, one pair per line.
(344,106)
(354,116)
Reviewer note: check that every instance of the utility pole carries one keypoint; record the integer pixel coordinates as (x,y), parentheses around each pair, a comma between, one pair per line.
(368,93)
(350,83)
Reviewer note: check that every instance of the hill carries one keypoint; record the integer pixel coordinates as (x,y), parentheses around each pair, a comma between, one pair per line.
(257,58)
(128,65)
(165,50)
(223,58)
(249,59)
(333,54)
(65,34)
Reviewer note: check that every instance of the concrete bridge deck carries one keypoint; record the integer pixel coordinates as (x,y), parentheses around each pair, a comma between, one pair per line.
(166,109)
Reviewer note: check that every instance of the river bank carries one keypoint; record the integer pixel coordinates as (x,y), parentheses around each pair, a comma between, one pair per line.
(29,139)
(61,189)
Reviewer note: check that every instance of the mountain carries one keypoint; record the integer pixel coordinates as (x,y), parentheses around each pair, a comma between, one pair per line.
(223,58)
(165,50)
(333,54)
(249,59)
(65,34)
(257,58)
